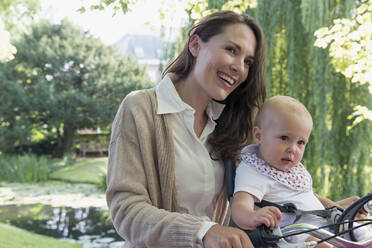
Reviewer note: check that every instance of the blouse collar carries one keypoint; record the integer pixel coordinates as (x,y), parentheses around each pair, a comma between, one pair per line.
(170,102)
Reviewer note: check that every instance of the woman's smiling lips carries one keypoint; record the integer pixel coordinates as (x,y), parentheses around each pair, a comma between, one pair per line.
(226,78)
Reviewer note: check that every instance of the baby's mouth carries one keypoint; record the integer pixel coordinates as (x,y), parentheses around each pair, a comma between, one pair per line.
(286,160)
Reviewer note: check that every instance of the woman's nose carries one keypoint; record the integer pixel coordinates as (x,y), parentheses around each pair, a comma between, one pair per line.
(238,66)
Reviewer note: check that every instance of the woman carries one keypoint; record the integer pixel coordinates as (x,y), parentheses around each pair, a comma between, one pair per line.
(165,173)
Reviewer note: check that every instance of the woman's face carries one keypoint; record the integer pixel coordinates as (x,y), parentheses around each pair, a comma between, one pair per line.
(222,63)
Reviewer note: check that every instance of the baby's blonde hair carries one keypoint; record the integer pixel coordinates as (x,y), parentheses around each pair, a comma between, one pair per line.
(281,104)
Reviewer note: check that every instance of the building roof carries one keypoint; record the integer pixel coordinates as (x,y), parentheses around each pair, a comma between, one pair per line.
(144,47)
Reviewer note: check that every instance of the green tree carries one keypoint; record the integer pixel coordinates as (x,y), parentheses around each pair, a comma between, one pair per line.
(62,79)
(7,50)
(350,48)
(117,5)
(13,13)
(17,12)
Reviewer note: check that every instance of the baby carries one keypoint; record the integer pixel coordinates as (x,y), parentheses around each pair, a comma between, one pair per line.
(271,169)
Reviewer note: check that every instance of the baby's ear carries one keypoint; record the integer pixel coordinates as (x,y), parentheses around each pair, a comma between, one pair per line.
(256,132)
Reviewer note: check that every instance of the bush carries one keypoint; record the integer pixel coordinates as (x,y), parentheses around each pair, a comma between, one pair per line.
(47,146)
(102,185)
(25,168)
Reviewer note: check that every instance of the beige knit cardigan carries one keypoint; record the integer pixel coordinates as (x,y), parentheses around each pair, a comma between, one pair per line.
(141,191)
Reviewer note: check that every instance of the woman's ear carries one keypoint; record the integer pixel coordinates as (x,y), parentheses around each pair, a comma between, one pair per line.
(194,45)
(256,131)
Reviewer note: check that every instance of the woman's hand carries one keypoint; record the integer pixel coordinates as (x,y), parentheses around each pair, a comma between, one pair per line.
(226,237)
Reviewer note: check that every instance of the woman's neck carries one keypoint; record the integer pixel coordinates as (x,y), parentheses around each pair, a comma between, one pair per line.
(192,94)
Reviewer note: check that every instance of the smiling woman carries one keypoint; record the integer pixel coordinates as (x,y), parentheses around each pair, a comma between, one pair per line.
(224,59)
(165,171)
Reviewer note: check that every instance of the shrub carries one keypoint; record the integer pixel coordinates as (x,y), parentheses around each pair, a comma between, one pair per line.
(102,185)
(25,168)
(47,146)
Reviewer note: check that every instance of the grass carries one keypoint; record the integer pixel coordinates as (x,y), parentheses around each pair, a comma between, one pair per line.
(13,237)
(89,170)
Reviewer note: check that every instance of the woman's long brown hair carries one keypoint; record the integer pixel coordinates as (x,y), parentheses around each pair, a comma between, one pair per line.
(233,129)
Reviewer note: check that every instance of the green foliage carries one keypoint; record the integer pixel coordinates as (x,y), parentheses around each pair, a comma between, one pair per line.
(103,137)
(13,16)
(60,80)
(7,50)
(97,140)
(26,168)
(350,48)
(102,185)
(199,8)
(123,5)
(48,145)
(13,9)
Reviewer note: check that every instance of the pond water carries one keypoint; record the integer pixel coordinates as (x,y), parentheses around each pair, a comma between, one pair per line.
(91,227)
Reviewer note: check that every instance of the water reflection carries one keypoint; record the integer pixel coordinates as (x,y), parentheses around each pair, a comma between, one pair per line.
(88,225)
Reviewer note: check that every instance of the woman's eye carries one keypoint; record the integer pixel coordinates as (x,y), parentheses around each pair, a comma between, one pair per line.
(231,50)
(248,62)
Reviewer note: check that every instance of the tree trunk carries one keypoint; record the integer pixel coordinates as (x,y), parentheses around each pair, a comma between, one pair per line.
(59,150)
(68,132)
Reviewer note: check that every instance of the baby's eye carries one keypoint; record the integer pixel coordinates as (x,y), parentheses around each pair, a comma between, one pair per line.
(301,142)
(284,137)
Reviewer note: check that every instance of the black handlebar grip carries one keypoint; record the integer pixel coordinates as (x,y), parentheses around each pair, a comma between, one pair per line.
(256,238)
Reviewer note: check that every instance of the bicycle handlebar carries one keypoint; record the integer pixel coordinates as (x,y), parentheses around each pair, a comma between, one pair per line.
(264,237)
(351,212)
(324,234)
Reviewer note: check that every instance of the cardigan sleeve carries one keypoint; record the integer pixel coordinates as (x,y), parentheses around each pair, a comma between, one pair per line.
(133,191)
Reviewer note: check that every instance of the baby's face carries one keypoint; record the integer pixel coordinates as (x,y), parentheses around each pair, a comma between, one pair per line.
(282,139)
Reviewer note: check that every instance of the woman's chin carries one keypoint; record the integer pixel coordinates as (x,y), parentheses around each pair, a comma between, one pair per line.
(221,97)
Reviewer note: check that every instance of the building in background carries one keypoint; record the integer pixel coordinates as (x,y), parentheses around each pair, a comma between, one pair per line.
(148,49)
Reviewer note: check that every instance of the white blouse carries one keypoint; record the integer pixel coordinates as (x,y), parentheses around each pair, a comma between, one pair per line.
(198,177)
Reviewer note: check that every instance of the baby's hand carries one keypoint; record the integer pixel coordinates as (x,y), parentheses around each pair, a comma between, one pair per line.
(269,216)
